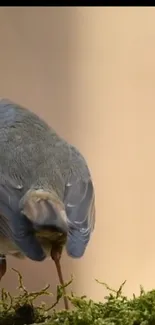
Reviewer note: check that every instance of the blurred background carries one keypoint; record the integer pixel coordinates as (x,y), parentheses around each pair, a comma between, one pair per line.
(90,72)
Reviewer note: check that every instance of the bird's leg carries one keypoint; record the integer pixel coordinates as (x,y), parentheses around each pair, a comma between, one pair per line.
(56,255)
(3,265)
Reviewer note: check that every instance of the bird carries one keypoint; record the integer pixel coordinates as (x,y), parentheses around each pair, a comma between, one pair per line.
(47,196)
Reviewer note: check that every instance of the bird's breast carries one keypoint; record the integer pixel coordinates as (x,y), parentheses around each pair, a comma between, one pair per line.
(46,238)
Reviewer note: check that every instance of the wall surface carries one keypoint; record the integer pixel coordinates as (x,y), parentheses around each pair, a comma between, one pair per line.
(90,72)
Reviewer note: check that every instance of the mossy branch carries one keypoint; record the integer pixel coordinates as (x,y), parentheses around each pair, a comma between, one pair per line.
(117,309)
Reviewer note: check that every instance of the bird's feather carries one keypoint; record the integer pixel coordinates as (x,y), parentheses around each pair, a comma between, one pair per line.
(15,225)
(80,208)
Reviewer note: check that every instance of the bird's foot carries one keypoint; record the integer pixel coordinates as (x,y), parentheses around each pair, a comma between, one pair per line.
(3,266)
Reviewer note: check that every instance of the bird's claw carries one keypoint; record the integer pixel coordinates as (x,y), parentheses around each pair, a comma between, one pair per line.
(3,266)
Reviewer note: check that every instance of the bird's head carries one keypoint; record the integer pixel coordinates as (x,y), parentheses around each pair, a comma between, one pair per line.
(46,212)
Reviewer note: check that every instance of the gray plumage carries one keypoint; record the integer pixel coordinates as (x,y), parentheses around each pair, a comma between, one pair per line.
(33,157)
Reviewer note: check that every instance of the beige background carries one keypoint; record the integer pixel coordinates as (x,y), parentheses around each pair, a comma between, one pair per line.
(91,73)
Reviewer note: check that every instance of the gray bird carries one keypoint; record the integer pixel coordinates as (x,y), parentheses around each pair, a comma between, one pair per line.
(47,196)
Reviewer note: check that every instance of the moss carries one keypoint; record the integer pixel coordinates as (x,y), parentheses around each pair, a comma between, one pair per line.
(116,309)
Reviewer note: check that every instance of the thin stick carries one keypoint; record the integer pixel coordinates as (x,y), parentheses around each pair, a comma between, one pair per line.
(56,255)
(59,271)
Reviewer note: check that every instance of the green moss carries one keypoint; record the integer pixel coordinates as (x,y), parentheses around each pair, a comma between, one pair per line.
(116,309)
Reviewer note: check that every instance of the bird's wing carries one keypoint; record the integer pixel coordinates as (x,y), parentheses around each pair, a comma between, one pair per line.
(15,225)
(80,208)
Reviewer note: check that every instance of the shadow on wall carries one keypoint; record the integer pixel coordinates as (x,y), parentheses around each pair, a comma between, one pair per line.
(35,71)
